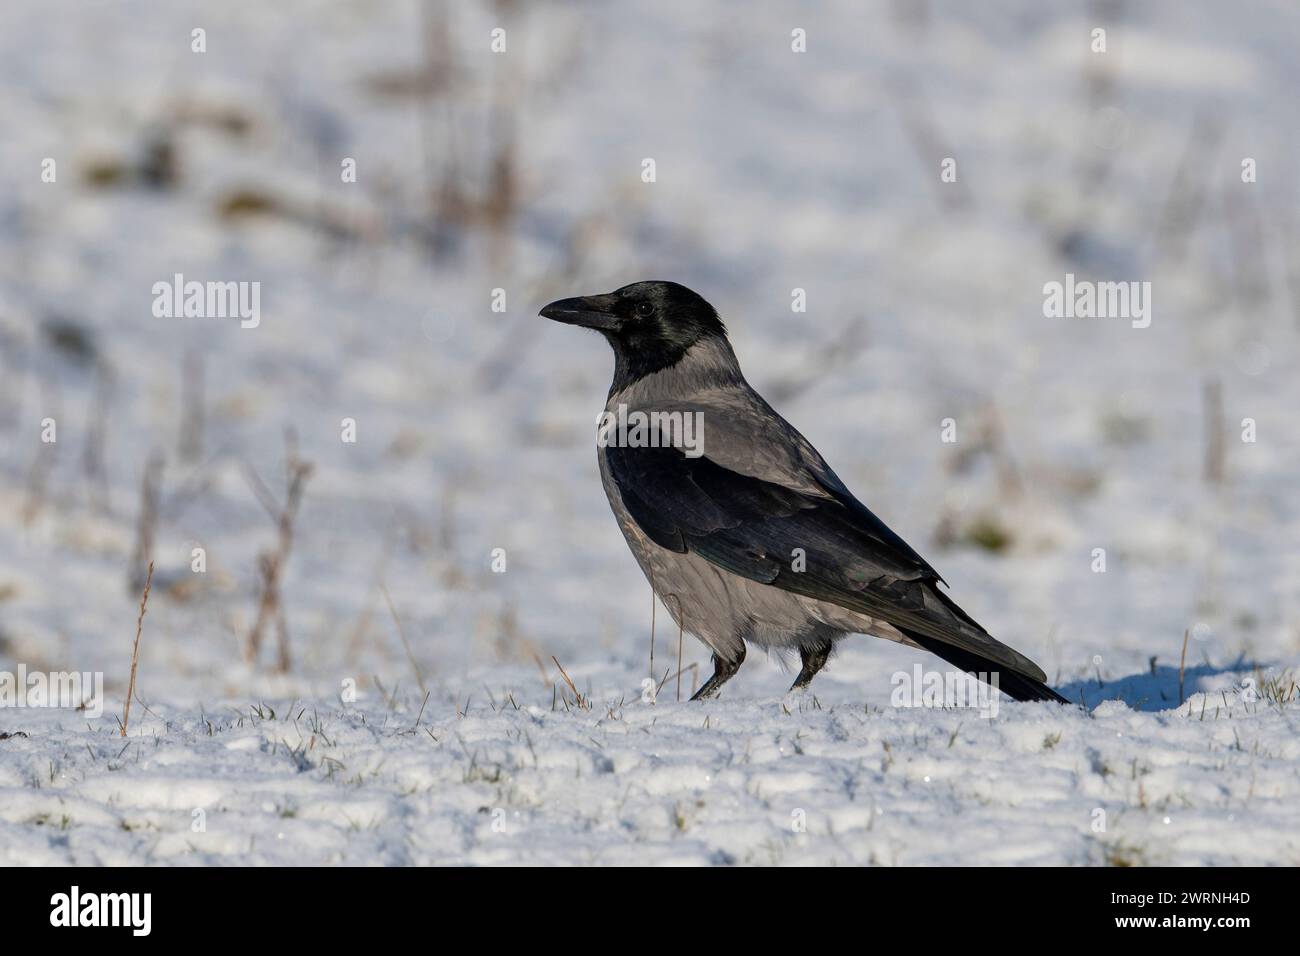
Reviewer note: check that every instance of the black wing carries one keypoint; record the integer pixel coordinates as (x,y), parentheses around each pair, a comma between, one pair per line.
(754,528)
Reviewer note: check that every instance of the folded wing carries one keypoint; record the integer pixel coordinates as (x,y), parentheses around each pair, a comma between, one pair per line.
(754,528)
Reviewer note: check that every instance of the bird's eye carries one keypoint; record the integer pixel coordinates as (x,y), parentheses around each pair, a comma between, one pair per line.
(644,309)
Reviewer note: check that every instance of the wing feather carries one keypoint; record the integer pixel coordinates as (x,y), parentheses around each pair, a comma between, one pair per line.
(752,528)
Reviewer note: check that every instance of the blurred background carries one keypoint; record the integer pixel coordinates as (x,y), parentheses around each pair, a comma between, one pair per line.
(522,171)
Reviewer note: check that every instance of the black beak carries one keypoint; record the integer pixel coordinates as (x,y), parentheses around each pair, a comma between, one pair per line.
(589,311)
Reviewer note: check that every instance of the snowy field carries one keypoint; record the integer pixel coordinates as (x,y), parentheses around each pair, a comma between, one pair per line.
(452,668)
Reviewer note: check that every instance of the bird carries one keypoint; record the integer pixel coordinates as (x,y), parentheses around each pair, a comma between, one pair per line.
(743,531)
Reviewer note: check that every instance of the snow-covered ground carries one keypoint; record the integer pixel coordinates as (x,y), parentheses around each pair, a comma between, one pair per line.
(754,780)
(522,171)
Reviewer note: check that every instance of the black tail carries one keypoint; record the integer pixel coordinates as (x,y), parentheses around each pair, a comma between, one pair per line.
(1017,686)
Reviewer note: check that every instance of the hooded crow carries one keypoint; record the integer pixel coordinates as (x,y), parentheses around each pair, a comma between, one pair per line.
(743,530)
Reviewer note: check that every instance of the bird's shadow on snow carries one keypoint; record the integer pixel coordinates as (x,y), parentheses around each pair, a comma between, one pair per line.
(1157,689)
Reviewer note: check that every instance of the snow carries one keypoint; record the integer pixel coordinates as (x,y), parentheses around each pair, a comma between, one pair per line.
(776,171)
(750,781)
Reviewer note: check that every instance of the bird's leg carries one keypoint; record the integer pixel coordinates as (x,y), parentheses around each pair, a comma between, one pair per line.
(814,659)
(723,670)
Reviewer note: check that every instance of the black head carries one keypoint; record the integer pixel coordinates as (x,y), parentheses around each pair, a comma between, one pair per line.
(650,325)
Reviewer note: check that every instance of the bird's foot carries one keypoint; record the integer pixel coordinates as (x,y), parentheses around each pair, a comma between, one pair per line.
(723,671)
(708,691)
(814,657)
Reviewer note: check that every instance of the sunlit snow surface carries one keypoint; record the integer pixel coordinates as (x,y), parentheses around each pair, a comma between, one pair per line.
(774,171)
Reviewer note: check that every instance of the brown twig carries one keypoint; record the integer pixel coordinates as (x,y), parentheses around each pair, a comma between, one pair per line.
(135,650)
(271,564)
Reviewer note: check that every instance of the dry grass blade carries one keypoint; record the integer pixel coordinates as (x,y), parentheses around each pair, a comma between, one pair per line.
(565,674)
(401,632)
(135,650)
(578,698)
